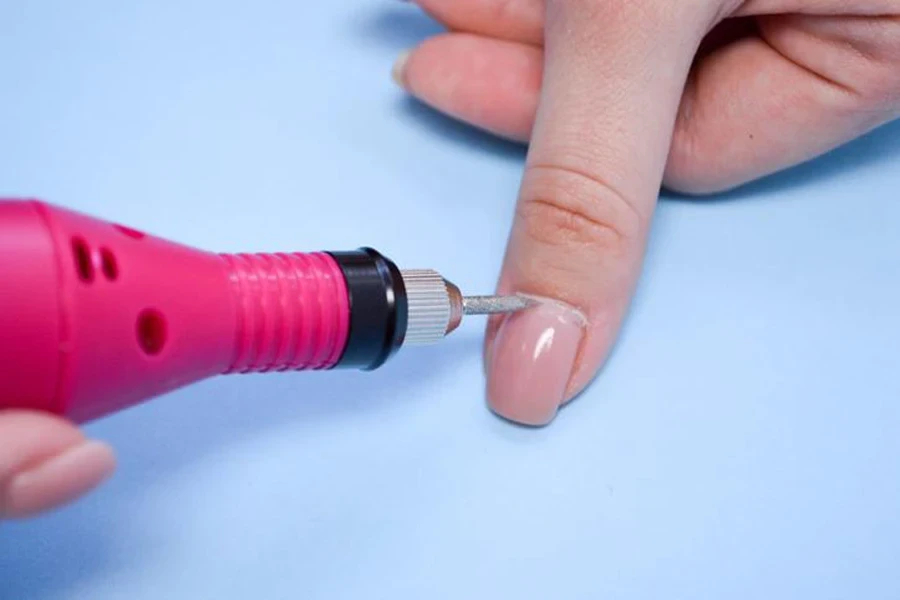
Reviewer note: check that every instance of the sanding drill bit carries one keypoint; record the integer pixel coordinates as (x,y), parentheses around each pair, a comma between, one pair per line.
(437,307)
(494,305)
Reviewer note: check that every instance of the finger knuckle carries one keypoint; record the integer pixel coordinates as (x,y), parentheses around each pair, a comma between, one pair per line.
(875,78)
(878,85)
(699,162)
(685,170)
(574,209)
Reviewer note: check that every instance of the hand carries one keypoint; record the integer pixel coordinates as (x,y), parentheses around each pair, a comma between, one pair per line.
(45,462)
(617,98)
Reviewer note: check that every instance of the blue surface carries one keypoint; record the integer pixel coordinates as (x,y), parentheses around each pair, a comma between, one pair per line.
(742,443)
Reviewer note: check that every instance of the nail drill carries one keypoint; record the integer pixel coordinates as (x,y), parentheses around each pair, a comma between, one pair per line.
(96,317)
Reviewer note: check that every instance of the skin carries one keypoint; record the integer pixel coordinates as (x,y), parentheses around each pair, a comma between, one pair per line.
(615,99)
(618,98)
(46,462)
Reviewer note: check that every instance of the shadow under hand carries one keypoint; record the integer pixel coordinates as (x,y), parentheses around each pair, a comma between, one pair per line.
(399,28)
(404,28)
(880,145)
(461,133)
(47,557)
(190,425)
(100,536)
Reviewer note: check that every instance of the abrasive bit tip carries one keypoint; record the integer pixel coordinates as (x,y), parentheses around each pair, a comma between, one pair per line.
(494,305)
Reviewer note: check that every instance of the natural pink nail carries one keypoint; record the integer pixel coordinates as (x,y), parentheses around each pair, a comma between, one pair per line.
(398,71)
(531,361)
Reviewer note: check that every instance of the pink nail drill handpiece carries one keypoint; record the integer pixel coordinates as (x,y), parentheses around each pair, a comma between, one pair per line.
(96,317)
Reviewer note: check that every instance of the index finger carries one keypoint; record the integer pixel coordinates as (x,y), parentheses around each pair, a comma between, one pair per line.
(613,79)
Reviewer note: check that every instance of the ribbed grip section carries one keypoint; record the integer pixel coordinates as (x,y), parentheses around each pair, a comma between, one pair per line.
(293,311)
(429,306)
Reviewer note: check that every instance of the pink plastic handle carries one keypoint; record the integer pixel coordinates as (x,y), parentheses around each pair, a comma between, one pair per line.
(96,317)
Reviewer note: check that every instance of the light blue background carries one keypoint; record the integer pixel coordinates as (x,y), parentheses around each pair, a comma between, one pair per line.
(744,441)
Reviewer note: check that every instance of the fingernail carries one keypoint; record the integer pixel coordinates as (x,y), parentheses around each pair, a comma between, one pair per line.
(398,72)
(58,480)
(531,361)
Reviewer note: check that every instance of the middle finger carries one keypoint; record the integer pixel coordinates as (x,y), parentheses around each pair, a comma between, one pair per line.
(514,20)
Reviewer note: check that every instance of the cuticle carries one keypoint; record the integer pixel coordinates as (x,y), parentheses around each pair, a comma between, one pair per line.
(579,316)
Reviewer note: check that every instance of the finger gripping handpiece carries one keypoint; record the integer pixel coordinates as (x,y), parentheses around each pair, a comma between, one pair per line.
(96,317)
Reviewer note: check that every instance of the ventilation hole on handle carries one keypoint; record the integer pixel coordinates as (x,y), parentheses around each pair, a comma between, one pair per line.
(84,266)
(132,233)
(108,264)
(151,332)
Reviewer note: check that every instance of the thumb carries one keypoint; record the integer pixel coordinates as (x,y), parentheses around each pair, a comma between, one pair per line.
(46,462)
(613,79)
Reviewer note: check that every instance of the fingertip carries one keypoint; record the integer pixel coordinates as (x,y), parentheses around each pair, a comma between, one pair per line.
(57,480)
(398,70)
(516,417)
(103,458)
(531,362)
(491,84)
